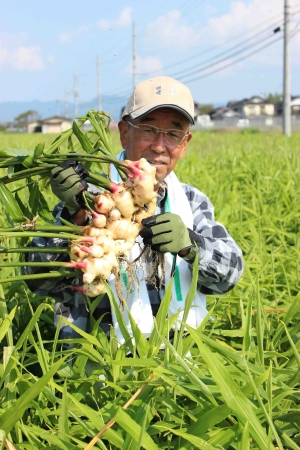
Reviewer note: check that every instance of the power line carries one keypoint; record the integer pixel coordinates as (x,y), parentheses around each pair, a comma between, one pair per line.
(213,48)
(109,52)
(201,67)
(218,61)
(236,61)
(117,53)
(243,49)
(224,43)
(187,7)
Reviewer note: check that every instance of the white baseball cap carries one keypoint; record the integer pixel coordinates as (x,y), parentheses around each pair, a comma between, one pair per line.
(160,92)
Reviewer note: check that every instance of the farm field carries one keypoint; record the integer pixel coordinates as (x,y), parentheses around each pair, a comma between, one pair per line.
(238,388)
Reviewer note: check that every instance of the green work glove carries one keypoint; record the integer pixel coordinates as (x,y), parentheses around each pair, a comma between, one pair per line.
(67,183)
(166,233)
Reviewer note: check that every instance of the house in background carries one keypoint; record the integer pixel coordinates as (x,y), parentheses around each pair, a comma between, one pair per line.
(54,124)
(254,106)
(222,113)
(295,105)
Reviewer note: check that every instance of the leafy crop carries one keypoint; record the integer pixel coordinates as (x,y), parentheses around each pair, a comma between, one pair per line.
(232,384)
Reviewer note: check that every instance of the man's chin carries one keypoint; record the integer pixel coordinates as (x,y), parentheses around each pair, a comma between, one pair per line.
(160,175)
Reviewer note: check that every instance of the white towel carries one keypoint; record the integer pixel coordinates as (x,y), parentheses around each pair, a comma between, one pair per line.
(138,301)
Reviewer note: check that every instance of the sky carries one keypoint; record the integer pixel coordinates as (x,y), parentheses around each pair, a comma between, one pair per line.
(48,49)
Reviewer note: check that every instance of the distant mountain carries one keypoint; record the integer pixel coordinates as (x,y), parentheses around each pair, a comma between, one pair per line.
(110,103)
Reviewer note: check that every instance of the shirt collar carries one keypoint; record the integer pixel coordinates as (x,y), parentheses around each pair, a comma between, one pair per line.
(161,194)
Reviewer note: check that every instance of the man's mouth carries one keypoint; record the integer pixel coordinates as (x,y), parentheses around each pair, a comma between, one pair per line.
(156,163)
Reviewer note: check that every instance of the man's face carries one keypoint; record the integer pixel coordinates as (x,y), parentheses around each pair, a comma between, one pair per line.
(158,153)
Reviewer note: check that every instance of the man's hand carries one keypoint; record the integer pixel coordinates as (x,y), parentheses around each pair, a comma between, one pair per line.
(67,183)
(166,233)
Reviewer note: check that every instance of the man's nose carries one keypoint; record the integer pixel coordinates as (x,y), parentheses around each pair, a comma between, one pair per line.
(159,144)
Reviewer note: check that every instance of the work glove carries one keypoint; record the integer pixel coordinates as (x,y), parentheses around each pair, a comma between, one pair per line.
(68,182)
(166,233)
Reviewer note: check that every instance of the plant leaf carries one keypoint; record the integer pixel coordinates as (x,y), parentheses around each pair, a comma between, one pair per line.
(15,412)
(63,422)
(85,143)
(38,151)
(239,404)
(10,204)
(135,430)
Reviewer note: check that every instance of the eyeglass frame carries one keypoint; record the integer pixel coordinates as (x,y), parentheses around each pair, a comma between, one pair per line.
(161,130)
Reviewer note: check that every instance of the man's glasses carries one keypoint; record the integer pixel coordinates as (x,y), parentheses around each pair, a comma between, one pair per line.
(150,133)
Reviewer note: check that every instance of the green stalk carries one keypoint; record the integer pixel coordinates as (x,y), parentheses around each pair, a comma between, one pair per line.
(43,167)
(34,234)
(102,181)
(35,264)
(5,250)
(24,174)
(121,167)
(87,156)
(85,199)
(51,228)
(6,161)
(53,274)
(99,129)
(71,226)
(89,196)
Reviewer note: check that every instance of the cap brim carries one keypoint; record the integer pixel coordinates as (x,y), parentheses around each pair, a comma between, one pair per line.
(147,109)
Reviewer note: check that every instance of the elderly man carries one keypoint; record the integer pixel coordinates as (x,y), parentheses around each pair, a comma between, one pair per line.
(155,125)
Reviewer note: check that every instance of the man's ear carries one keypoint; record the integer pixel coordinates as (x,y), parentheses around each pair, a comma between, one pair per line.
(123,129)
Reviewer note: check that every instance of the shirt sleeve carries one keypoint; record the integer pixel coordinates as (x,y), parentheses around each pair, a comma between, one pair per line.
(57,288)
(220,258)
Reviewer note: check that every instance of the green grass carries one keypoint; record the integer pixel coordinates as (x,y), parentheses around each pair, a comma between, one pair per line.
(239,389)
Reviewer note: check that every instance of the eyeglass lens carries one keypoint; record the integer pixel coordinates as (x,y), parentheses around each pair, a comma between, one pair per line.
(151,133)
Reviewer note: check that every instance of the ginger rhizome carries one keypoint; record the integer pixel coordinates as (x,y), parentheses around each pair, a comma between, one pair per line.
(114,227)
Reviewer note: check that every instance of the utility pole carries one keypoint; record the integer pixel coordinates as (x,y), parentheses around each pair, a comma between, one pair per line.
(286,72)
(98,85)
(76,94)
(133,57)
(66,102)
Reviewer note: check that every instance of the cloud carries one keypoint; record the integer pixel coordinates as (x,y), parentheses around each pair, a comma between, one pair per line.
(148,64)
(28,58)
(103,24)
(170,31)
(16,55)
(173,31)
(65,37)
(22,58)
(3,55)
(251,17)
(145,65)
(124,20)
(243,16)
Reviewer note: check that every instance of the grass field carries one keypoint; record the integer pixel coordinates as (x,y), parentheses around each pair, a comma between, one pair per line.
(239,389)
